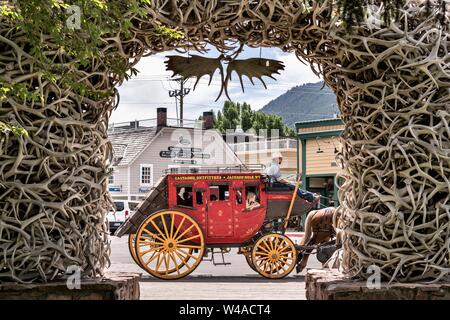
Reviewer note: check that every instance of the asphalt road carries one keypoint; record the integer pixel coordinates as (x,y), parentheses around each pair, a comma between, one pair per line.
(235,281)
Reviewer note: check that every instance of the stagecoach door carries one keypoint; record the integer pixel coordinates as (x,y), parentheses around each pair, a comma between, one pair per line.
(220,211)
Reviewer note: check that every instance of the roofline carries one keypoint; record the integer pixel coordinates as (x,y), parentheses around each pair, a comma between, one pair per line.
(319,134)
(163,128)
(318,123)
(145,148)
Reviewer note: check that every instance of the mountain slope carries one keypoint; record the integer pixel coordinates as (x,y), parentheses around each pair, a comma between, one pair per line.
(303,103)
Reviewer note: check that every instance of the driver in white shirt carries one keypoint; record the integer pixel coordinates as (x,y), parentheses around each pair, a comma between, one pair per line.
(273,172)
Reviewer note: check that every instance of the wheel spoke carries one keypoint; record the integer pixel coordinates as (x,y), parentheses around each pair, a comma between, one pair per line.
(189,246)
(272,267)
(260,258)
(150,250)
(172,256)
(275,245)
(267,267)
(184,259)
(186,253)
(280,266)
(166,262)
(179,228)
(267,246)
(159,262)
(287,258)
(149,243)
(158,229)
(190,238)
(163,218)
(262,266)
(286,254)
(172,220)
(158,253)
(284,248)
(262,248)
(154,235)
(184,232)
(262,253)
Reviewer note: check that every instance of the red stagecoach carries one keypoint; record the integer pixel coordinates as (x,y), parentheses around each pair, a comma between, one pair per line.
(189,214)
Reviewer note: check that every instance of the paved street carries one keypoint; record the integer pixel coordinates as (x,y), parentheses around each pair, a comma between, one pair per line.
(235,281)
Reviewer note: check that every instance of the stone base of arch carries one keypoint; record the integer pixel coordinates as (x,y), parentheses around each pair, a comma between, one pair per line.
(333,285)
(113,286)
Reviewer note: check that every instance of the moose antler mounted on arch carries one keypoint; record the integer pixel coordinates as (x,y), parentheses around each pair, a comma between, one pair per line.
(197,67)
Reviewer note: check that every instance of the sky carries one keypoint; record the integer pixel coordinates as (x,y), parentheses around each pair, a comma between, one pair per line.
(142,94)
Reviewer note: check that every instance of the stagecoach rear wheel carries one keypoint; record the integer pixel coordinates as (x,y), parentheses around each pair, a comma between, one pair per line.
(169,244)
(132,249)
(274,256)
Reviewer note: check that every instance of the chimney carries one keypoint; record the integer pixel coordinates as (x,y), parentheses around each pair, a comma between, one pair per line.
(208,120)
(161,118)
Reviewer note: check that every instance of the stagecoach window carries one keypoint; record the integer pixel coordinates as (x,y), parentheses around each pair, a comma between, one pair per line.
(253,200)
(238,196)
(184,196)
(220,193)
(199,197)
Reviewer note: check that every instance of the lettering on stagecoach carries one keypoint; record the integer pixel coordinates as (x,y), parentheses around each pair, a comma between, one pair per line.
(216,177)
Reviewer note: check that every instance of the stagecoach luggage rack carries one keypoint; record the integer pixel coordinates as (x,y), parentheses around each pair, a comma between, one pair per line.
(258,168)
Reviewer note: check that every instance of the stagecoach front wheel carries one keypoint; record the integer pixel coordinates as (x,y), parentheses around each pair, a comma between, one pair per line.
(274,256)
(169,244)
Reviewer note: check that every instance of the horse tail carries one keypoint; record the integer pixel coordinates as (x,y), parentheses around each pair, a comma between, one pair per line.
(308,228)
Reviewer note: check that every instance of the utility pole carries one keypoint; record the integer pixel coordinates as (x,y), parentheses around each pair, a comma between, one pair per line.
(179,94)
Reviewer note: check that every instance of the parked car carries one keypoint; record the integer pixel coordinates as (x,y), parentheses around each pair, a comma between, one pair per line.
(122,210)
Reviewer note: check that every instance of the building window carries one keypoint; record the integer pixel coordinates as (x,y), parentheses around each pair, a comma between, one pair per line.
(174,168)
(146,174)
(111,179)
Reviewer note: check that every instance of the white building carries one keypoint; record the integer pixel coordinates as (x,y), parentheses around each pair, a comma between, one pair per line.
(145,150)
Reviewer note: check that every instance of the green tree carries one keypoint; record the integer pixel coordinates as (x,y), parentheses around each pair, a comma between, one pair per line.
(234,114)
(6,128)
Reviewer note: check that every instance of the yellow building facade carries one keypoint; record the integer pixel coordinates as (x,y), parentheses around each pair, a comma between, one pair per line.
(318,146)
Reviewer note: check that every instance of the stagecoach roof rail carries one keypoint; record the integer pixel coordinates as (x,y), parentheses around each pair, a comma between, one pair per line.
(259,168)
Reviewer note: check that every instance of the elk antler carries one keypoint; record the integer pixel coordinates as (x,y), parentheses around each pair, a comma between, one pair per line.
(253,68)
(194,66)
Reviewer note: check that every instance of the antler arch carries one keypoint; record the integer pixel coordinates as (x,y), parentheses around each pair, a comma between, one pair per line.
(391,84)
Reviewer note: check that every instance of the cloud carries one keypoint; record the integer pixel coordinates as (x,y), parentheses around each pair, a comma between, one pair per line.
(140,96)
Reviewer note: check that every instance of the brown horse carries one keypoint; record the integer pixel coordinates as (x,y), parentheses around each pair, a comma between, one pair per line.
(318,229)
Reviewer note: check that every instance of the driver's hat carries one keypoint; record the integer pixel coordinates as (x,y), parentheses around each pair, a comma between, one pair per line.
(276,155)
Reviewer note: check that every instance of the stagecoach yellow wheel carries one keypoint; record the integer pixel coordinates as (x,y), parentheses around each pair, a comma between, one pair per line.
(248,258)
(274,256)
(132,248)
(247,252)
(169,245)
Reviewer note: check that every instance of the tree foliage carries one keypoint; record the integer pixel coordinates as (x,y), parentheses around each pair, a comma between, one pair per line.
(234,114)
(6,128)
(45,24)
